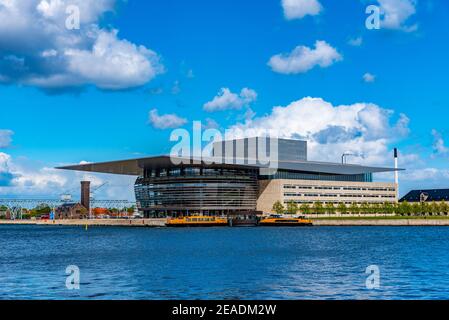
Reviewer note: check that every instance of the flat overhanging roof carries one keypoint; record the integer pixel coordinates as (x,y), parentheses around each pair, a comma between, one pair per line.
(135,166)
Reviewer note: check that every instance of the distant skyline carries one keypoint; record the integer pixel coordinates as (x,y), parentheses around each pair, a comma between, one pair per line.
(116,87)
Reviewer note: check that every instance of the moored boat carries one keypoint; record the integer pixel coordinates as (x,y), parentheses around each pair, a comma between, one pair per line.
(243,221)
(279,220)
(197,221)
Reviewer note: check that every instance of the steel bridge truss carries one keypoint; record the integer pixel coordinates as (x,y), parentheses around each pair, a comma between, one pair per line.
(16,206)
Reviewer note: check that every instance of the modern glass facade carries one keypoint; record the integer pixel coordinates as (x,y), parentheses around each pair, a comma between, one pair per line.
(196,190)
(284,174)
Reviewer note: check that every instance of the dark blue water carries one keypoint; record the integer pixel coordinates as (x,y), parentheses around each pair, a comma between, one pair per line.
(224,263)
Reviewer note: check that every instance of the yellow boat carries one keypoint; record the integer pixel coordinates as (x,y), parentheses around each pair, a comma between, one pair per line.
(197,221)
(279,220)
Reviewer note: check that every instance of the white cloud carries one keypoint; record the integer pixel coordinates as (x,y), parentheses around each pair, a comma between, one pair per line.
(396,14)
(6,175)
(362,128)
(37,49)
(166,121)
(90,10)
(423,178)
(49,53)
(355,42)
(368,77)
(14,179)
(176,89)
(26,180)
(190,74)
(5,138)
(439,147)
(210,124)
(226,100)
(40,180)
(298,9)
(303,58)
(425,174)
(113,63)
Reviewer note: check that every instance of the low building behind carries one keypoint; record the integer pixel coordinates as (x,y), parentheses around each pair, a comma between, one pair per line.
(429,195)
(71,211)
(5,213)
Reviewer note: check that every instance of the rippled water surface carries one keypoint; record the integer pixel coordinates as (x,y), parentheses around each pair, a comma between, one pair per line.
(224,263)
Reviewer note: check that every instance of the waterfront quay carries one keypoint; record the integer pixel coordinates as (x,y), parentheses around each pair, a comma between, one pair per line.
(322,221)
(399,222)
(91,222)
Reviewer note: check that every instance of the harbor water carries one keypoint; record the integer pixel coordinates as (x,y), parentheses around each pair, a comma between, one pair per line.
(224,263)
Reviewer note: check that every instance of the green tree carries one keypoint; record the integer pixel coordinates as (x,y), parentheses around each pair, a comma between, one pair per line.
(130,210)
(292,207)
(444,208)
(330,208)
(395,208)
(365,208)
(354,208)
(317,207)
(304,208)
(387,208)
(425,208)
(381,208)
(434,208)
(342,209)
(278,207)
(40,210)
(404,209)
(416,209)
(26,216)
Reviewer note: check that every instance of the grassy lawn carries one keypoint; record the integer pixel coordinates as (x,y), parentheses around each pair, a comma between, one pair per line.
(381,218)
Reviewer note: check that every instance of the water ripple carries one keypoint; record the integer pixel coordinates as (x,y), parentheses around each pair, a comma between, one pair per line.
(224,263)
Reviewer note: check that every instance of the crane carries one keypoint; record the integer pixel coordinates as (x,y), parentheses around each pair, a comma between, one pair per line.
(348,153)
(91,196)
(95,189)
(66,196)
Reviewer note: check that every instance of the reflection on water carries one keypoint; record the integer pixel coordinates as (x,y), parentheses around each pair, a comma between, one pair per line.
(224,263)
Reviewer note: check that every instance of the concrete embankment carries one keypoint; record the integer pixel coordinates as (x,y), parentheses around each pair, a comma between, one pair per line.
(93,222)
(161,222)
(381,222)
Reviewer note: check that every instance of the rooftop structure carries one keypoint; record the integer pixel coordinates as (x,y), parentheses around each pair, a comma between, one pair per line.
(135,167)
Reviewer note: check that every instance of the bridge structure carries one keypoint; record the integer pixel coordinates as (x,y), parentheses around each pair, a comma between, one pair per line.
(16,206)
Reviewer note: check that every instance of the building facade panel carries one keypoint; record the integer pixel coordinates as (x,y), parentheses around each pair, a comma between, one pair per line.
(253,148)
(311,191)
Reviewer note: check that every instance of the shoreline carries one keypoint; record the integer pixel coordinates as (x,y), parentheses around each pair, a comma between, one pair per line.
(400,222)
(158,223)
(154,223)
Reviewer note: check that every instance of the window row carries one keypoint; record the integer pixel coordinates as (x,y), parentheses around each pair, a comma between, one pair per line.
(329,195)
(288,186)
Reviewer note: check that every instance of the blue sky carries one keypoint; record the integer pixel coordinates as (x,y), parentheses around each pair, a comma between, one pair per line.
(95,111)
